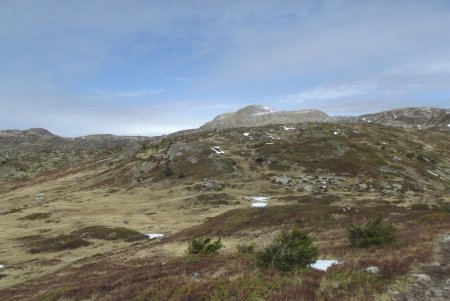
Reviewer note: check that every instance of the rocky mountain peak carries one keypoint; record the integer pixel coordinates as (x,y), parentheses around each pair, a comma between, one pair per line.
(255,110)
(260,115)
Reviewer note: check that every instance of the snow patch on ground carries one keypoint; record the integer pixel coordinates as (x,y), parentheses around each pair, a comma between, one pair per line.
(259,205)
(335,132)
(217,150)
(104,160)
(260,198)
(435,174)
(272,136)
(2,266)
(286,128)
(154,235)
(323,265)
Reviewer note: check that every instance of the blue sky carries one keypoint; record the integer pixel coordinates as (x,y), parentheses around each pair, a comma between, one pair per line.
(142,67)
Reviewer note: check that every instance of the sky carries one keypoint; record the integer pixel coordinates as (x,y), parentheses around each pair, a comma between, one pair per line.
(144,67)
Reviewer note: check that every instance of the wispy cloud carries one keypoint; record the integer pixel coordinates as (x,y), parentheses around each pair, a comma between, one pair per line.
(110,95)
(332,92)
(159,56)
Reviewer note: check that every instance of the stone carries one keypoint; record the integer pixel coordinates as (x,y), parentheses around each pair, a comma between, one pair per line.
(422,277)
(282,180)
(147,166)
(307,188)
(112,235)
(373,270)
(193,159)
(397,186)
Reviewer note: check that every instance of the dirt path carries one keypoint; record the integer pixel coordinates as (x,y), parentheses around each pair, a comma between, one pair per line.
(432,280)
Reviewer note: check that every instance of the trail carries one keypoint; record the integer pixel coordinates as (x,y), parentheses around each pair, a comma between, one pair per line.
(432,281)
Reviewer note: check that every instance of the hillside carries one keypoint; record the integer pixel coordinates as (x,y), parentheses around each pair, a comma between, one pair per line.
(59,213)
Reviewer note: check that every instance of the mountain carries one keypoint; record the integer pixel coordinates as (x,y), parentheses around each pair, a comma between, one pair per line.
(77,213)
(259,115)
(73,224)
(421,118)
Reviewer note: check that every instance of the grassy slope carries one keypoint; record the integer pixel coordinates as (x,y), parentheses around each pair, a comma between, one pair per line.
(108,193)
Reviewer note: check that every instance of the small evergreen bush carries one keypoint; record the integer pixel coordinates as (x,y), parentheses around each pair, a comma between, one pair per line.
(204,246)
(375,232)
(288,251)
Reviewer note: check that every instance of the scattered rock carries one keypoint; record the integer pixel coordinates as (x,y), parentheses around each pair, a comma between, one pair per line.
(373,270)
(211,185)
(147,166)
(282,180)
(112,235)
(422,277)
(193,159)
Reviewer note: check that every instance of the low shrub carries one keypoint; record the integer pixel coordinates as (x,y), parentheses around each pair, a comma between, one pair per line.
(245,248)
(34,216)
(375,232)
(290,250)
(56,244)
(110,233)
(204,246)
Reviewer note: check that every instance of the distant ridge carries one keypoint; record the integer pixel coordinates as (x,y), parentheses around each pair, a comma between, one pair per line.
(260,115)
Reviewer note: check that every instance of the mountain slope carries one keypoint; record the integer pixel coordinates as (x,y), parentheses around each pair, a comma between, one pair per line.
(421,118)
(258,115)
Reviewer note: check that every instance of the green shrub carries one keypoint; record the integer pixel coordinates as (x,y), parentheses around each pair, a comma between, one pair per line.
(168,171)
(34,216)
(245,248)
(204,246)
(288,251)
(375,232)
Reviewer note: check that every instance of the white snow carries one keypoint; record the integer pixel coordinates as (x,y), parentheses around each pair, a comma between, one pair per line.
(41,194)
(246,134)
(154,235)
(335,132)
(269,143)
(272,136)
(448,125)
(217,150)
(323,265)
(435,174)
(2,266)
(260,198)
(264,110)
(103,160)
(397,159)
(286,128)
(259,205)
